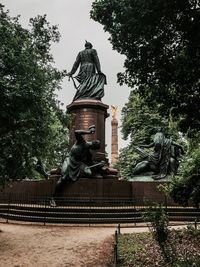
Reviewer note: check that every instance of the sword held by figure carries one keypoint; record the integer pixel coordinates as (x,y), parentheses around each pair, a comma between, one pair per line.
(71,77)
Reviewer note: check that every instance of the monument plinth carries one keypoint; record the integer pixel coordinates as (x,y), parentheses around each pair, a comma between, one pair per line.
(85,113)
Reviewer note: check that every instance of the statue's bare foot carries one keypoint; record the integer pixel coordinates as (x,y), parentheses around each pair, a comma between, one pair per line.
(52,203)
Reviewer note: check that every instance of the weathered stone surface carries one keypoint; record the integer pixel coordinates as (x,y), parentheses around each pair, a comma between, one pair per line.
(91,188)
(85,113)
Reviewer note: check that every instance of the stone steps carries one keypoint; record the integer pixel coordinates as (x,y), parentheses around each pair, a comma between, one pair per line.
(85,213)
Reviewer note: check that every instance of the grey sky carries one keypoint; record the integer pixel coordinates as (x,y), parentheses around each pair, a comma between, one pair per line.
(75,26)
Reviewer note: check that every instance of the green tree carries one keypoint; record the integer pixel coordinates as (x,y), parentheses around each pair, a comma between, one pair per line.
(185,188)
(139,121)
(31,121)
(139,124)
(161,42)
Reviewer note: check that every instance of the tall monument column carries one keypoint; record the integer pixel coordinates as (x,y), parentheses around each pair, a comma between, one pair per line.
(87,108)
(114,140)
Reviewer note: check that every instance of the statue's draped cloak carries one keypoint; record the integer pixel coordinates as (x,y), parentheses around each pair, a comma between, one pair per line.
(161,157)
(91,84)
(91,88)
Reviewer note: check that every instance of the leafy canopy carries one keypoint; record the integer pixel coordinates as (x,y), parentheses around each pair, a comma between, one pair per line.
(161,42)
(32,125)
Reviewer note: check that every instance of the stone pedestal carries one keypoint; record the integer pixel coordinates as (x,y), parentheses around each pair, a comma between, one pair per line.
(137,192)
(85,113)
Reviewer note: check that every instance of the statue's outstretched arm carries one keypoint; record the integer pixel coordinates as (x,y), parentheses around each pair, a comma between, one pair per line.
(180,147)
(79,133)
(148,146)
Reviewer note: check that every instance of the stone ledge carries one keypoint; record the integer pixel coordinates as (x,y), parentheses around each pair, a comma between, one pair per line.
(87,103)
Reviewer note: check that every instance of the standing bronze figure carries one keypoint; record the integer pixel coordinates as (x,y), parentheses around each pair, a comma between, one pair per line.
(91,79)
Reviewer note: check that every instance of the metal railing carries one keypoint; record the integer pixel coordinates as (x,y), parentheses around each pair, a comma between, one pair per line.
(86,210)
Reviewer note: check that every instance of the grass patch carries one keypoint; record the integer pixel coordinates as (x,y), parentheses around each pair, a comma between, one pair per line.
(141,250)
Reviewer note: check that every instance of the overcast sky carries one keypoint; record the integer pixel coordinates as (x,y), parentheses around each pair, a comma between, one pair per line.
(75,26)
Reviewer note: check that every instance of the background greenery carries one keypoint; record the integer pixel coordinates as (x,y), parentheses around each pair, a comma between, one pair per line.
(161,43)
(32,123)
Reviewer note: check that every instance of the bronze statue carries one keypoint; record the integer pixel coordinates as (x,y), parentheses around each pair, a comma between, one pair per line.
(79,161)
(164,159)
(114,111)
(91,79)
(41,170)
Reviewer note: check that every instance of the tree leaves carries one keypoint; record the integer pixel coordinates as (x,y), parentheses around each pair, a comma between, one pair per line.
(29,110)
(161,42)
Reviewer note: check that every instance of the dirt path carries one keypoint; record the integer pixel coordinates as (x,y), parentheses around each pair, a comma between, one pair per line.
(57,246)
(54,246)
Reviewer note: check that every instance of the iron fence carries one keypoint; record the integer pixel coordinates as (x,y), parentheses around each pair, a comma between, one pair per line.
(87,209)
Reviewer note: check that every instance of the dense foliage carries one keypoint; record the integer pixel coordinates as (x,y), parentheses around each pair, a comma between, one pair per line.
(32,125)
(185,188)
(140,123)
(161,42)
(158,219)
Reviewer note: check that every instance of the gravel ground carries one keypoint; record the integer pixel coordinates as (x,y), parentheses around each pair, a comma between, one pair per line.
(54,246)
(57,246)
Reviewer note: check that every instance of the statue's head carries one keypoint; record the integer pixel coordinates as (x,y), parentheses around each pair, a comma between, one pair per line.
(159,138)
(95,144)
(88,45)
(160,129)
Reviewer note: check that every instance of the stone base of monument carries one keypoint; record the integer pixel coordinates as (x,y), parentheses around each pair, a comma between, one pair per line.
(139,192)
(85,113)
(148,177)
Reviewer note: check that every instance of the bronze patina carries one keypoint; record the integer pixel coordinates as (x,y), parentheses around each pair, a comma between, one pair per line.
(79,162)
(163,160)
(91,79)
